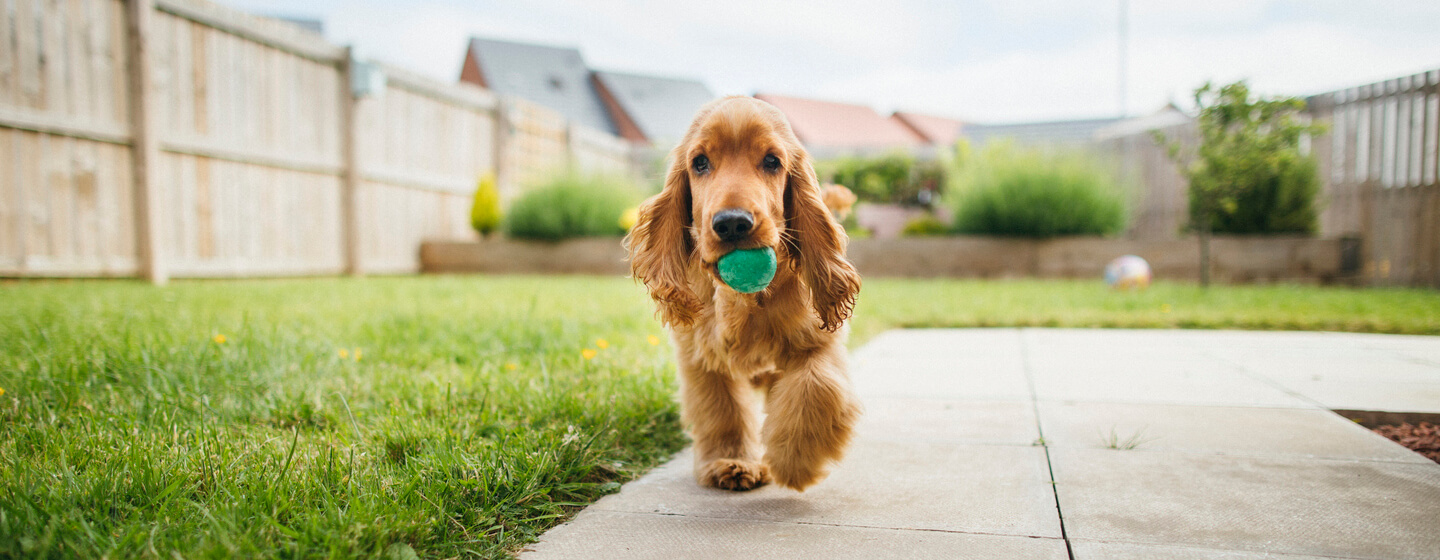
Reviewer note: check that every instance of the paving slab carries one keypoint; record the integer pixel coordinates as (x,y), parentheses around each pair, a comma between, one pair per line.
(1350,509)
(1215,429)
(1235,456)
(639,536)
(990,489)
(950,421)
(1089,550)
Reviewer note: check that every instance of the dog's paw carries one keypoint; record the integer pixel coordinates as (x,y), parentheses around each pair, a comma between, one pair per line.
(793,472)
(734,474)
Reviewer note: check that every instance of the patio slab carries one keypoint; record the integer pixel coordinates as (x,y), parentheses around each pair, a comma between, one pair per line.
(1348,509)
(1237,456)
(989,489)
(1216,430)
(640,536)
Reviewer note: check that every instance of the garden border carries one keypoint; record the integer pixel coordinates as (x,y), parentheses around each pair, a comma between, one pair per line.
(1236,259)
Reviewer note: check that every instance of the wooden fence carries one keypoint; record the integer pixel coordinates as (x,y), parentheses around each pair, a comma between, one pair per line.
(1378,167)
(179,138)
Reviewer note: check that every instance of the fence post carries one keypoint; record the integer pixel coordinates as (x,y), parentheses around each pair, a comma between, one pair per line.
(144,144)
(350,170)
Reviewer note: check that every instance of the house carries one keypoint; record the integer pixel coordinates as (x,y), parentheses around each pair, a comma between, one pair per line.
(1049,133)
(938,131)
(650,109)
(646,110)
(829,128)
(555,77)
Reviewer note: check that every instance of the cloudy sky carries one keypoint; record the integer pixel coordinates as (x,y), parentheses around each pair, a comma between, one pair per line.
(978,60)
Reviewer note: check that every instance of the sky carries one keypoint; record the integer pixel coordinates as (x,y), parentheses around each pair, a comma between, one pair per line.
(987,61)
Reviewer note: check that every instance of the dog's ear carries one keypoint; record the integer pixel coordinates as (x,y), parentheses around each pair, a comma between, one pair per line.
(819,245)
(661,248)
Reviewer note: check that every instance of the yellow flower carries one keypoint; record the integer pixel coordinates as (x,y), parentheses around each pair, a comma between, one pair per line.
(344,353)
(1164,308)
(653,340)
(588,353)
(357,354)
(2,391)
(602,343)
(511,366)
(219,339)
(628,219)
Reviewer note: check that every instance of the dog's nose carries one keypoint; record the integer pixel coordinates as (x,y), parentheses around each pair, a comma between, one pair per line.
(732,224)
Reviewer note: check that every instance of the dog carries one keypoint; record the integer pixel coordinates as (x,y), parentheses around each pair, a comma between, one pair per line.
(838,199)
(740,179)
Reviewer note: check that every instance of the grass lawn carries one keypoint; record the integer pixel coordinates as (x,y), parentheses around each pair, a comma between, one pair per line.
(457,416)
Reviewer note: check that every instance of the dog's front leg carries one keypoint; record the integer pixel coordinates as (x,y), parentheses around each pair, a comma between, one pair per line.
(720,410)
(810,415)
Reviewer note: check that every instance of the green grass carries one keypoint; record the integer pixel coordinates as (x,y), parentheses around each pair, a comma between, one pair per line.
(470,423)
(887,303)
(126,430)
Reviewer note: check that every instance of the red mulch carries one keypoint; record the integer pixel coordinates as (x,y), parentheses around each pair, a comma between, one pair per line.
(1423,439)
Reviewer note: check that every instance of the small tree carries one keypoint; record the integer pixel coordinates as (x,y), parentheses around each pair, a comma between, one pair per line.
(485,212)
(1247,175)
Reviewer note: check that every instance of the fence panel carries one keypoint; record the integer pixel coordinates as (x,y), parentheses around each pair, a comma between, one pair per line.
(64,184)
(251,178)
(1380,175)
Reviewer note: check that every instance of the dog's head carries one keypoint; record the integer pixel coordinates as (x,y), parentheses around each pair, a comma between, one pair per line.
(740,180)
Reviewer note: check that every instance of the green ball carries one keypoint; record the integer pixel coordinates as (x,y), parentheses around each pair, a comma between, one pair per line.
(748,270)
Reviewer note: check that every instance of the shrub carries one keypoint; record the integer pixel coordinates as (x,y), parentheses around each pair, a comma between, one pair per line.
(924,226)
(572,206)
(1247,175)
(485,211)
(895,178)
(1009,191)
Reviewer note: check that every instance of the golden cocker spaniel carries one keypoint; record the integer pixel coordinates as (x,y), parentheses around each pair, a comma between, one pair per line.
(741,180)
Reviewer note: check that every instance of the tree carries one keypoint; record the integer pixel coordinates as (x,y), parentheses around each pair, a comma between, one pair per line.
(1247,175)
(485,212)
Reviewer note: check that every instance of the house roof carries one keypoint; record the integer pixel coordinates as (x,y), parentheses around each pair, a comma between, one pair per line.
(555,77)
(660,107)
(935,130)
(1052,132)
(830,124)
(1168,116)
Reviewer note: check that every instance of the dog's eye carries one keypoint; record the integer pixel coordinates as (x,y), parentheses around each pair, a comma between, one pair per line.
(701,164)
(771,163)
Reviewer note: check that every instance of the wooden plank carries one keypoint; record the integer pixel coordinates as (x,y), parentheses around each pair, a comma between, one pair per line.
(36,212)
(350,189)
(11,205)
(200,79)
(78,59)
(27,53)
(8,79)
(272,34)
(86,200)
(145,146)
(52,57)
(61,125)
(204,211)
(59,187)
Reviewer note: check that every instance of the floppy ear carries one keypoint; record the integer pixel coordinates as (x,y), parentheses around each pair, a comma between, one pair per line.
(660,246)
(819,243)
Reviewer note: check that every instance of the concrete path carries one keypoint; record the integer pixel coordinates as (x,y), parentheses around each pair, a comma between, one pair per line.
(1160,444)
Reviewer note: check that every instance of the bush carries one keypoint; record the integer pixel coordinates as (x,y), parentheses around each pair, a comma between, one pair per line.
(1009,191)
(572,206)
(1248,175)
(924,226)
(485,211)
(895,178)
